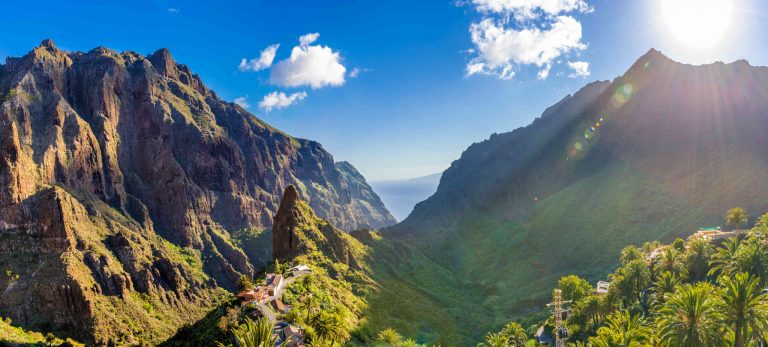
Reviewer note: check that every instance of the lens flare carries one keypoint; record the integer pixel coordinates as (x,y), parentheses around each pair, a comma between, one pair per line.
(622,95)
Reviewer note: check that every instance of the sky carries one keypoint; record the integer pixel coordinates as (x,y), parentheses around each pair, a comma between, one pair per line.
(397,88)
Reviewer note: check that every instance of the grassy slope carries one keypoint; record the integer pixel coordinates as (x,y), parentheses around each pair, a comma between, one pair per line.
(504,268)
(12,335)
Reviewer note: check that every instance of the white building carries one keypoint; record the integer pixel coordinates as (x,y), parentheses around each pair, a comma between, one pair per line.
(602,287)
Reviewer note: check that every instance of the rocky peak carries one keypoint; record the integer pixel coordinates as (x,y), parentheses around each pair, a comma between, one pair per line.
(164,63)
(297,231)
(292,214)
(48,43)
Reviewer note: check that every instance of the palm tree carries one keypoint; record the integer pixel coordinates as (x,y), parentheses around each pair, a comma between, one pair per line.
(390,337)
(330,326)
(670,260)
(690,318)
(666,283)
(744,308)
(258,334)
(587,313)
(736,217)
(638,276)
(630,254)
(760,230)
(623,329)
(723,260)
(494,340)
(752,258)
(697,257)
(515,334)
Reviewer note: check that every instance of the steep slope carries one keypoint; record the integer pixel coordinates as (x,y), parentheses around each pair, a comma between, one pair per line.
(651,155)
(122,181)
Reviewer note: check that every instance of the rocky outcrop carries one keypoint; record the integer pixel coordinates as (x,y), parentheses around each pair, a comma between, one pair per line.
(298,231)
(126,175)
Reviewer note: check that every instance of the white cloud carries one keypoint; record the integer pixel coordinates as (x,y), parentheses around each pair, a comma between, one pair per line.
(528,8)
(264,60)
(357,71)
(515,33)
(308,39)
(315,66)
(242,101)
(500,49)
(280,100)
(544,72)
(173,10)
(580,69)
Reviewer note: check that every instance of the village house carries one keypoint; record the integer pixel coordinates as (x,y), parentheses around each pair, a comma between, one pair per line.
(257,294)
(602,287)
(714,234)
(274,283)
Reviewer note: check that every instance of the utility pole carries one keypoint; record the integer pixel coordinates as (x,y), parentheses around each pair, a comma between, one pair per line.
(560,332)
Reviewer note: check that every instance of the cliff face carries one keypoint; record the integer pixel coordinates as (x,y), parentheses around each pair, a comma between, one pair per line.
(105,157)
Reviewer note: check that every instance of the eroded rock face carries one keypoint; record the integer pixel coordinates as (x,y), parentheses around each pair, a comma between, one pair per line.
(147,154)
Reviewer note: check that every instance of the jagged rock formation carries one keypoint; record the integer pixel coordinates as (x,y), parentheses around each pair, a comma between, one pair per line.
(105,157)
(298,231)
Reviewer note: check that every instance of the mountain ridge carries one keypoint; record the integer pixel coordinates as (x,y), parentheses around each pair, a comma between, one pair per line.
(657,152)
(153,178)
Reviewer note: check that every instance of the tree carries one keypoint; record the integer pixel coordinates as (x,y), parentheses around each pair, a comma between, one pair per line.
(390,337)
(679,244)
(690,318)
(744,308)
(623,329)
(250,334)
(752,258)
(665,284)
(670,260)
(244,283)
(760,230)
(723,261)
(494,340)
(630,254)
(638,276)
(697,258)
(330,326)
(736,217)
(574,287)
(515,334)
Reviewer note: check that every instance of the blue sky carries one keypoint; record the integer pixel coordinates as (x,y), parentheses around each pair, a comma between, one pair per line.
(412,109)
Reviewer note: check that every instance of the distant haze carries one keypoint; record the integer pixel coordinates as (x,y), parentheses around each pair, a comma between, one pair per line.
(400,196)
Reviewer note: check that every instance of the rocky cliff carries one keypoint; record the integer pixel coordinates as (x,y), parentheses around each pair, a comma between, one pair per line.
(122,178)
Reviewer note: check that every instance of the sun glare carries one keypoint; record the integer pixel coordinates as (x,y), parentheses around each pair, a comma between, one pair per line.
(697,23)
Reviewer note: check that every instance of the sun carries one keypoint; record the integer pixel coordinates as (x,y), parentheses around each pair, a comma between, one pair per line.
(697,23)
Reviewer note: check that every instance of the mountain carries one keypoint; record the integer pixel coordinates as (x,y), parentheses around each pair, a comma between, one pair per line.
(129,192)
(401,196)
(654,154)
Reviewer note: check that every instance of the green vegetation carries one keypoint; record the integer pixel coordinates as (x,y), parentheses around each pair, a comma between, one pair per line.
(466,279)
(11,335)
(250,334)
(736,217)
(706,295)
